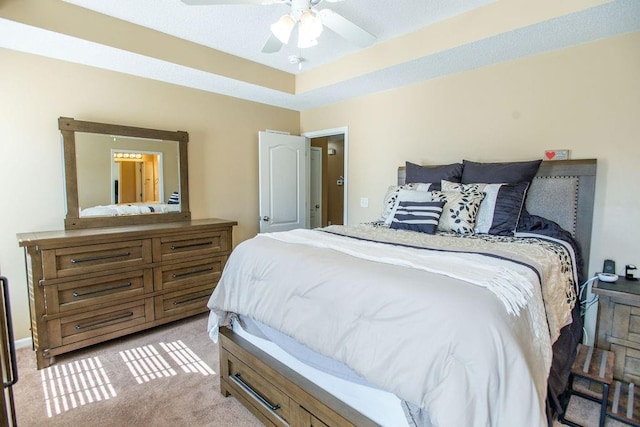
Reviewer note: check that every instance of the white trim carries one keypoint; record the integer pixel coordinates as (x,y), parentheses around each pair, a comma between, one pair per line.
(338,131)
(23,342)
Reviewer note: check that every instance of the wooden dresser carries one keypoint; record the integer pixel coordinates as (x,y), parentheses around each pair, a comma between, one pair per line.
(619,325)
(92,285)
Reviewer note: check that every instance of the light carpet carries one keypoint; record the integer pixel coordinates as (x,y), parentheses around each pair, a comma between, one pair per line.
(167,376)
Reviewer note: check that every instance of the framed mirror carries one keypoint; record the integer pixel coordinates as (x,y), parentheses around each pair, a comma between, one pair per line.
(123,175)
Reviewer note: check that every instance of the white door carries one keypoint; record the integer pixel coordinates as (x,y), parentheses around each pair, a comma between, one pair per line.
(284,181)
(315,193)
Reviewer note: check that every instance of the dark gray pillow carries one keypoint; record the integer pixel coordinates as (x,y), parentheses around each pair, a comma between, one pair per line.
(499,173)
(433,174)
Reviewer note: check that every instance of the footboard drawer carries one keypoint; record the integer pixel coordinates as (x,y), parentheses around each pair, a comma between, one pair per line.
(275,393)
(272,402)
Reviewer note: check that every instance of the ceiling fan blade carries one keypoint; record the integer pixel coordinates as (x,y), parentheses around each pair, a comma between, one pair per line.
(272,45)
(221,2)
(346,29)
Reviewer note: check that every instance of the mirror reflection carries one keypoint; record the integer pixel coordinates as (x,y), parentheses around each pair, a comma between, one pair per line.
(123,175)
(120,175)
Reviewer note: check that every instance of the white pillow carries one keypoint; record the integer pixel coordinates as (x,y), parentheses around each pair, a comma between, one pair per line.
(409,196)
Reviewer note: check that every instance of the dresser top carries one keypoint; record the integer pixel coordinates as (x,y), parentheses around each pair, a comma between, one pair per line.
(129,231)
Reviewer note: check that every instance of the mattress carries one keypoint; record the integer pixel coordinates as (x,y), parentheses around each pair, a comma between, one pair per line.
(380,406)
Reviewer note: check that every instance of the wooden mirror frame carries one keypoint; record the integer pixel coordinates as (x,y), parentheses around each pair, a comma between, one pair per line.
(68,128)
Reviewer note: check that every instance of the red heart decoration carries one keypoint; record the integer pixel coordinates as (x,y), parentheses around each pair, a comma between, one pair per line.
(550,154)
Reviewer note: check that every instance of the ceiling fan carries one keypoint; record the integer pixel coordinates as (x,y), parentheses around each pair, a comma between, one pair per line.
(310,22)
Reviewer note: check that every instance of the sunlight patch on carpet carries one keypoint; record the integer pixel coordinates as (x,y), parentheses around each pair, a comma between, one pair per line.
(68,386)
(186,359)
(146,364)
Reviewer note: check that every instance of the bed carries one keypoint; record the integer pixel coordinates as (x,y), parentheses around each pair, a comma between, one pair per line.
(129,209)
(380,324)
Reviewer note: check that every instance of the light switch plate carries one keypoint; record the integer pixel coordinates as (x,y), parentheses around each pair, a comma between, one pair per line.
(364,202)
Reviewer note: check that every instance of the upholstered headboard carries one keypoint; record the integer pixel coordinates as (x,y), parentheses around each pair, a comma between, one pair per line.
(562,191)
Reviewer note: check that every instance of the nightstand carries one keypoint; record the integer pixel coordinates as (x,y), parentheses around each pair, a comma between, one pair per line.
(618,325)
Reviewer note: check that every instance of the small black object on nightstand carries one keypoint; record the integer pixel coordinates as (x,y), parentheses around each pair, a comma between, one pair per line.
(629,272)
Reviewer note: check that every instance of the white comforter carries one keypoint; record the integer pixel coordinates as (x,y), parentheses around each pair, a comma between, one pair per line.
(129,209)
(447,345)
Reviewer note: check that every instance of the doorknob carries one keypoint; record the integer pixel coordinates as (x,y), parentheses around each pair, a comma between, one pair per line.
(265,218)
(317,206)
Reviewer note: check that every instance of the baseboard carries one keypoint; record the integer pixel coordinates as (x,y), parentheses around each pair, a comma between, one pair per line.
(22,343)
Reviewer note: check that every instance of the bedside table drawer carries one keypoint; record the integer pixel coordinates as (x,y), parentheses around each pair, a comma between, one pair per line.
(626,323)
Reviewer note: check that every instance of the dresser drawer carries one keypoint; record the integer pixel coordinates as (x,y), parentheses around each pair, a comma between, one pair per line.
(189,274)
(190,245)
(183,303)
(76,260)
(93,323)
(269,400)
(88,293)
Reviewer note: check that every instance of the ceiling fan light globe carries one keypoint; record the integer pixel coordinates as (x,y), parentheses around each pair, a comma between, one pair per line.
(310,26)
(283,27)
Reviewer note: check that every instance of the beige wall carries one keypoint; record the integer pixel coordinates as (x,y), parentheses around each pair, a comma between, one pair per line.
(35,91)
(585,98)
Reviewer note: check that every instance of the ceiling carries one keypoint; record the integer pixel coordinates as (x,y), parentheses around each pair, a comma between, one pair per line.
(241,30)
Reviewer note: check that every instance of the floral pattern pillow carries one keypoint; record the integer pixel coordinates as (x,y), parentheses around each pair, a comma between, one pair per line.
(501,207)
(460,210)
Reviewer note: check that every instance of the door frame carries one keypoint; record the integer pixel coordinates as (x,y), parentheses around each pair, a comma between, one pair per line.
(330,132)
(312,179)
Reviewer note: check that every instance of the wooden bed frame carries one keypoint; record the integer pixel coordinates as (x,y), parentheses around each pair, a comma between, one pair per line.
(279,396)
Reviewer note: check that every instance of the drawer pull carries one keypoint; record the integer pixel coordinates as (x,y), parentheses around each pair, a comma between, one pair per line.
(98,258)
(77,294)
(184,301)
(88,325)
(189,273)
(175,247)
(261,398)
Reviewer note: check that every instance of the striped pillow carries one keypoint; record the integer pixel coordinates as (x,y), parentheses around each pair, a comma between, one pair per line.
(174,199)
(417,216)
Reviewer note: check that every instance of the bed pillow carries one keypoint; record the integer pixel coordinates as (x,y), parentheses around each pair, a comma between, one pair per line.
(174,199)
(460,210)
(417,216)
(391,198)
(405,195)
(433,174)
(499,173)
(500,209)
